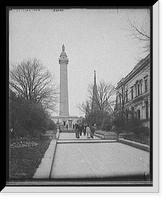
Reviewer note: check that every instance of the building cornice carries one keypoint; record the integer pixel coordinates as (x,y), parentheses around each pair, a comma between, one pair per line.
(142,64)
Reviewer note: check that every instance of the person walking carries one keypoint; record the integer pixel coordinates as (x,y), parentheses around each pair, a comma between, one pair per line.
(80,130)
(92,128)
(88,132)
(77,130)
(84,130)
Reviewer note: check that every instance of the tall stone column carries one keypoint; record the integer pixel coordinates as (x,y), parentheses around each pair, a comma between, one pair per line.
(64,104)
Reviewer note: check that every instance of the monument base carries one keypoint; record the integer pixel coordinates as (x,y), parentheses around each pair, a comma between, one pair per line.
(65,122)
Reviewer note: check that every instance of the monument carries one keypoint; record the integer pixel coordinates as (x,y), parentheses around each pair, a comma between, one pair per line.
(64,104)
(64,120)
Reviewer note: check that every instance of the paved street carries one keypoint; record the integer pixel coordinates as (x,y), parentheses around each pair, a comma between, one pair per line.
(74,160)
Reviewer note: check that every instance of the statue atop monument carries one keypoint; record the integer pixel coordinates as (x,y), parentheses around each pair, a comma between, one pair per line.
(63,48)
(63,56)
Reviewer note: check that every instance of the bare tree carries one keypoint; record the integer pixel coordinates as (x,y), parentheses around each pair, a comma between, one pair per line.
(121,94)
(104,102)
(104,97)
(141,35)
(85,107)
(32,81)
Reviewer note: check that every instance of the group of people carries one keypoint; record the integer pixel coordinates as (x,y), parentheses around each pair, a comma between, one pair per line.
(84,129)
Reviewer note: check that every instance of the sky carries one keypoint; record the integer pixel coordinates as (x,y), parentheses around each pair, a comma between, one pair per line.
(94,39)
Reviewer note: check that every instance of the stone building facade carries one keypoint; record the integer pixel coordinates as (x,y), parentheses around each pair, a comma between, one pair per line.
(133,92)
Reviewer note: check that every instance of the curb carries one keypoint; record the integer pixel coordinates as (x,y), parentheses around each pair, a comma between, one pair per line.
(121,140)
(107,135)
(99,135)
(135,144)
(44,169)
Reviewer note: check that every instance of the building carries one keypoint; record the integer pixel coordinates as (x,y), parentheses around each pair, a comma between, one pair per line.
(64,119)
(133,92)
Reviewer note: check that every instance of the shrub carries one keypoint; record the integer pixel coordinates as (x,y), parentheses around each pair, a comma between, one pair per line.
(20,131)
(26,117)
(143,131)
(106,125)
(118,123)
(133,125)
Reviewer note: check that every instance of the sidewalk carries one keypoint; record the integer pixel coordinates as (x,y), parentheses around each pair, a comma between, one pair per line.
(43,171)
(82,160)
(67,159)
(70,136)
(85,159)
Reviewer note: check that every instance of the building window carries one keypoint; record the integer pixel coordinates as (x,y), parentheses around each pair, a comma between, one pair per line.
(116,99)
(138,114)
(141,87)
(146,109)
(135,86)
(119,99)
(126,95)
(131,92)
(143,112)
(132,112)
(146,85)
(138,87)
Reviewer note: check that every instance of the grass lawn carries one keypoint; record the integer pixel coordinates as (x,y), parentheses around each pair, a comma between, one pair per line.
(24,161)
